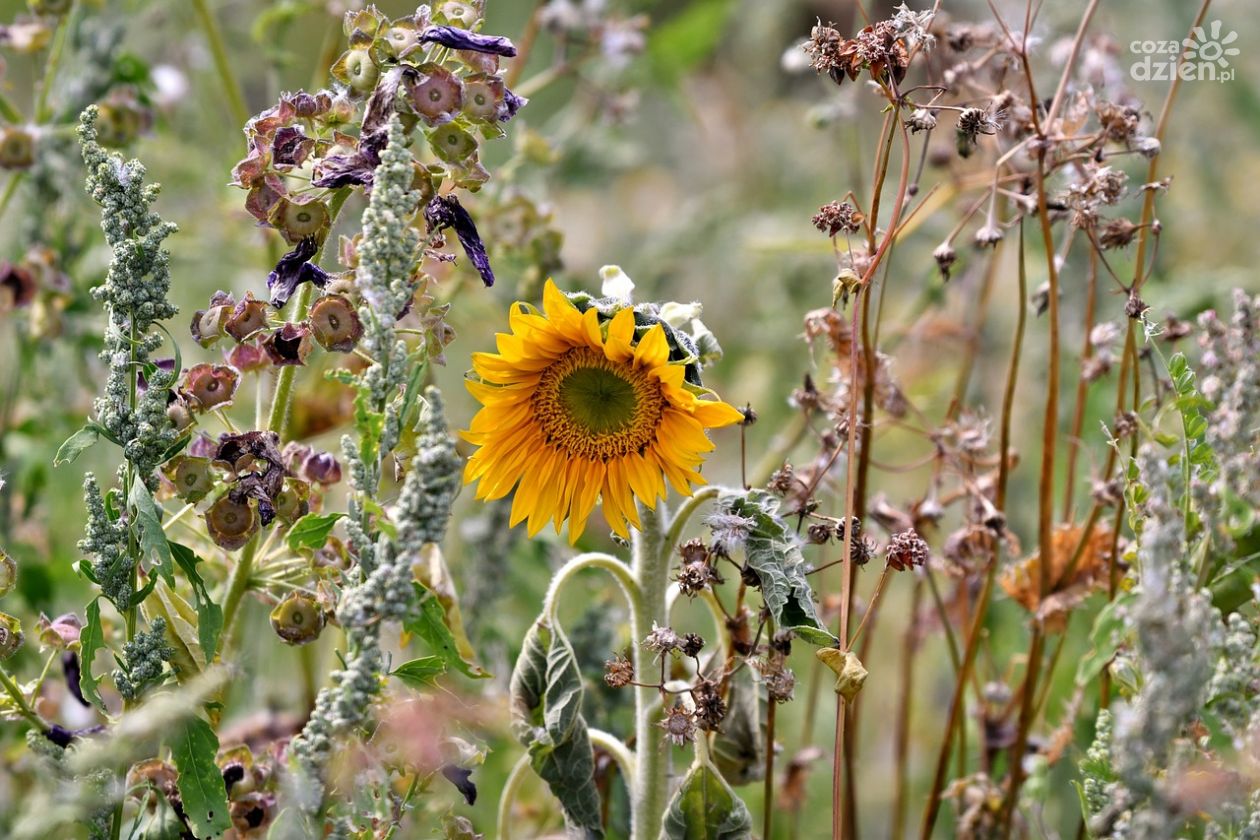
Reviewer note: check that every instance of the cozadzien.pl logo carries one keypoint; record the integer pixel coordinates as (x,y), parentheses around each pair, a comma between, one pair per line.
(1204,56)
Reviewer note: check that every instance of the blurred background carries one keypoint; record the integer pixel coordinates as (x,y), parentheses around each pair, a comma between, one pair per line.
(695,163)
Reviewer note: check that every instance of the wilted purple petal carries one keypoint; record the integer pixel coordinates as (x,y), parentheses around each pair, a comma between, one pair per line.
(511,104)
(462,39)
(445,211)
(290,146)
(294,269)
(70,667)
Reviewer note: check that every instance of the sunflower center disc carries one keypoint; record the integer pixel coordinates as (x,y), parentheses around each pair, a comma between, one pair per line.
(595,408)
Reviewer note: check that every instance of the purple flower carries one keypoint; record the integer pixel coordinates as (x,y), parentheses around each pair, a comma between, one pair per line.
(462,39)
(445,211)
(290,146)
(70,667)
(512,103)
(294,269)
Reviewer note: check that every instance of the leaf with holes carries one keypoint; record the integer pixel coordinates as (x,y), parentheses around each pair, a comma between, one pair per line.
(193,747)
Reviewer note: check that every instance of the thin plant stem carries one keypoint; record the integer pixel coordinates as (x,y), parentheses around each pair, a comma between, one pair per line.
(767,804)
(901,735)
(1078,412)
(932,810)
(222,63)
(42,113)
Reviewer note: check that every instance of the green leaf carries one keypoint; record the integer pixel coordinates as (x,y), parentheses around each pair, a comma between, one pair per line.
(428,621)
(193,748)
(739,748)
(705,808)
(422,672)
(209,614)
(77,444)
(312,530)
(1105,639)
(91,639)
(546,697)
(774,553)
(153,544)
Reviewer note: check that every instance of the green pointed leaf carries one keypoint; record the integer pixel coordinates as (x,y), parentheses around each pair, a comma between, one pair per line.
(76,444)
(546,696)
(774,553)
(91,639)
(312,530)
(422,672)
(153,544)
(705,808)
(193,747)
(428,621)
(1105,639)
(209,614)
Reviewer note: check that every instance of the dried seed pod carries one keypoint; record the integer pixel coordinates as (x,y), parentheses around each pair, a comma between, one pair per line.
(293,500)
(248,317)
(193,477)
(231,524)
(288,345)
(297,220)
(210,324)
(335,324)
(8,573)
(17,287)
(437,95)
(252,812)
(11,637)
(17,148)
(207,386)
(484,98)
(298,619)
(356,69)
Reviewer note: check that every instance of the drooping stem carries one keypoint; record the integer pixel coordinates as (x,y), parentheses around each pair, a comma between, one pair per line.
(650,563)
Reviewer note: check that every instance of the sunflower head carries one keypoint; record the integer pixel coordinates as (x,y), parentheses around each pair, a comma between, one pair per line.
(586,405)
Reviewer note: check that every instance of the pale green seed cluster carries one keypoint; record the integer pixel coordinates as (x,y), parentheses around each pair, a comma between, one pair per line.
(106,540)
(385,592)
(431,487)
(387,262)
(144,660)
(134,296)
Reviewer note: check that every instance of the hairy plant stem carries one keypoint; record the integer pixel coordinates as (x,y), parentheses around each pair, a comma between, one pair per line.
(901,735)
(222,64)
(650,564)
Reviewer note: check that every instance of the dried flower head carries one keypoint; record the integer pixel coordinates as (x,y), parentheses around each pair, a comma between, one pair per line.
(618,672)
(679,725)
(906,550)
(838,217)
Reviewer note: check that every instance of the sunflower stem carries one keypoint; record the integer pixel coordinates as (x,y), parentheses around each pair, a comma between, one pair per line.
(650,562)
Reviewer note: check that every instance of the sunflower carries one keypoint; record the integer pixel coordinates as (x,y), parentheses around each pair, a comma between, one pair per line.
(575,410)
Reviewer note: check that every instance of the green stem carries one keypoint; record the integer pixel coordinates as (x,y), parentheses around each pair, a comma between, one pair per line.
(592,560)
(222,64)
(520,771)
(42,114)
(650,562)
(9,190)
(10,111)
(238,583)
(23,708)
(281,399)
(685,512)
(612,745)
